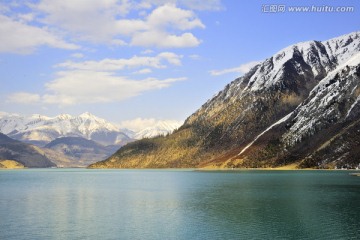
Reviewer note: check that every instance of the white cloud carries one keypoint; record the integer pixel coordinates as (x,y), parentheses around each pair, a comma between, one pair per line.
(155,31)
(99,82)
(119,64)
(170,16)
(90,20)
(77,87)
(208,5)
(106,22)
(164,40)
(27,17)
(171,57)
(24,98)
(244,68)
(86,87)
(18,37)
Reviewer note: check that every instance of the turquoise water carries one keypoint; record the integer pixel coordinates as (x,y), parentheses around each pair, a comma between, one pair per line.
(165,204)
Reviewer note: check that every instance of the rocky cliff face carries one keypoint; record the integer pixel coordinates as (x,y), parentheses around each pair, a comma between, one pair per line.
(300,105)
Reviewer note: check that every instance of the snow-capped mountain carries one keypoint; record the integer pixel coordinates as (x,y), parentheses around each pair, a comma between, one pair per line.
(161,128)
(300,106)
(40,130)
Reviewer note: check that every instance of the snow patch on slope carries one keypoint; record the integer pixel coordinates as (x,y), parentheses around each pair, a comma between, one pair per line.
(266,130)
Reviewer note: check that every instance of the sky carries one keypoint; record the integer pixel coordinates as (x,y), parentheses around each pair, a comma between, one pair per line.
(137,62)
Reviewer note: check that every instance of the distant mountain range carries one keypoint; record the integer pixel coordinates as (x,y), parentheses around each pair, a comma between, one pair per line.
(41,130)
(82,151)
(301,107)
(74,141)
(27,155)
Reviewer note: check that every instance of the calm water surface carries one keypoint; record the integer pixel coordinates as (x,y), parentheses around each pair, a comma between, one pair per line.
(165,204)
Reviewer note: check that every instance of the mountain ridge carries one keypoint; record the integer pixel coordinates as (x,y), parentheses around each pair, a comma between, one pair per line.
(247,110)
(81,151)
(74,141)
(41,130)
(26,154)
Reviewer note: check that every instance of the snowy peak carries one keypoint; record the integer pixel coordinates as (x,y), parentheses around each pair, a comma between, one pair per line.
(161,128)
(87,115)
(306,58)
(39,117)
(343,47)
(91,118)
(41,129)
(63,117)
(295,69)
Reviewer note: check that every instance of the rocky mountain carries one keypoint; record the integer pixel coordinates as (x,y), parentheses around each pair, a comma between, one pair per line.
(76,141)
(81,151)
(300,106)
(40,130)
(26,154)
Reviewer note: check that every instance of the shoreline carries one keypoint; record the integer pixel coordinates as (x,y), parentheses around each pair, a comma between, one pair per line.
(290,167)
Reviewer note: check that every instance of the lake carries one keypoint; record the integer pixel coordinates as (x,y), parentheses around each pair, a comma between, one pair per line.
(178,204)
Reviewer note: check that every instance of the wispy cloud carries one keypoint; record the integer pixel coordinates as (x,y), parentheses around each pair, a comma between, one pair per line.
(103,81)
(84,87)
(19,37)
(208,5)
(158,61)
(77,87)
(24,98)
(244,68)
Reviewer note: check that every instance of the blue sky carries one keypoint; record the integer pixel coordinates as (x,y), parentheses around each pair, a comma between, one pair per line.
(144,59)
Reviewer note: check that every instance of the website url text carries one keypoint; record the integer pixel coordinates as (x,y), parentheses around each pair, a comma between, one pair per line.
(280,8)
